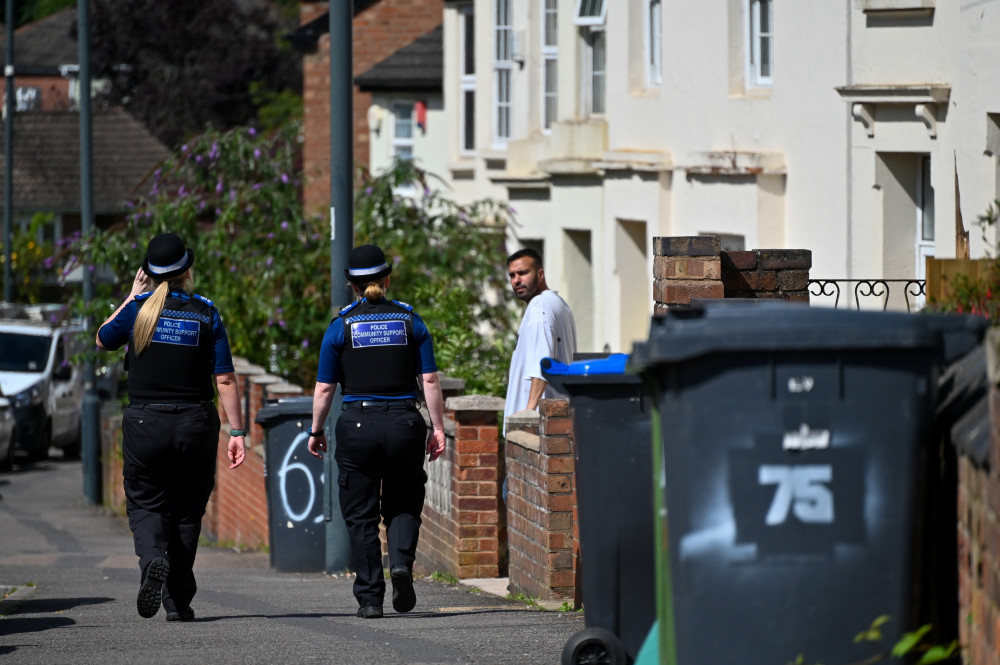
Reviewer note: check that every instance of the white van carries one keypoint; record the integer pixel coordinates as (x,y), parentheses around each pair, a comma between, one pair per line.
(44,388)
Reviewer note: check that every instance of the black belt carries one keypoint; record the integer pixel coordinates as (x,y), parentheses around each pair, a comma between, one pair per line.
(380,405)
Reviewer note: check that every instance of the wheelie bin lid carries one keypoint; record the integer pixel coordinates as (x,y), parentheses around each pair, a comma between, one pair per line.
(570,377)
(707,328)
(284,407)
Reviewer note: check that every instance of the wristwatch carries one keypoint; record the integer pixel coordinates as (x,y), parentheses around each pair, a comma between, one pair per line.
(310,432)
(237,432)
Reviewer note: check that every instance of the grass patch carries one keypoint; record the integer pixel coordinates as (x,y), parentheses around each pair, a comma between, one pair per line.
(443,577)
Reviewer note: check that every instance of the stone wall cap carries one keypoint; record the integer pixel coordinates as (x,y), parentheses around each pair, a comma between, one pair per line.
(525,440)
(475,403)
(266,378)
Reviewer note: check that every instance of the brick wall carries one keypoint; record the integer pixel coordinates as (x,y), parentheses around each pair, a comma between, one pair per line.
(53,91)
(541,502)
(378,31)
(693,267)
(979,549)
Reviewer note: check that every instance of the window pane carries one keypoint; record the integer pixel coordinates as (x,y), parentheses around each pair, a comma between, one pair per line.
(765,16)
(550,91)
(591,8)
(469,121)
(469,43)
(655,43)
(404,152)
(503,103)
(404,121)
(765,57)
(926,201)
(550,22)
(597,103)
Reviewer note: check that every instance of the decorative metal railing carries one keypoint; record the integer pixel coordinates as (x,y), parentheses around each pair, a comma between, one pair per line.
(913,290)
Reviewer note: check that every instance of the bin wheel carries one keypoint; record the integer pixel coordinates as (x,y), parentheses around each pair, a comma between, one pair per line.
(594,646)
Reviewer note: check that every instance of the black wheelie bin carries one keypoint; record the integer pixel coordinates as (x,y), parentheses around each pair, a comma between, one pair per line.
(797,445)
(614,484)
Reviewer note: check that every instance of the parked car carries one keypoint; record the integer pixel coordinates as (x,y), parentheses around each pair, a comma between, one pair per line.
(6,433)
(45,389)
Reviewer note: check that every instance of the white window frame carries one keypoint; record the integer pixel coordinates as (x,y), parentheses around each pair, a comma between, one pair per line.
(755,77)
(403,142)
(503,71)
(467,80)
(590,18)
(587,73)
(654,42)
(550,56)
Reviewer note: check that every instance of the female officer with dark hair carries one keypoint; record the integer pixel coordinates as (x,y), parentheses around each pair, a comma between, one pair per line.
(178,354)
(378,349)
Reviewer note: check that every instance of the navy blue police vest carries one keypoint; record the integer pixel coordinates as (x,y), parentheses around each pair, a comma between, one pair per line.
(178,365)
(380,354)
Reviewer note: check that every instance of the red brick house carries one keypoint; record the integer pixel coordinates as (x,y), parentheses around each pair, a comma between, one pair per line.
(380,28)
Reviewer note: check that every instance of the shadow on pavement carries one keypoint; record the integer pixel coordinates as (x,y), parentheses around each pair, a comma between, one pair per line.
(46,605)
(13,625)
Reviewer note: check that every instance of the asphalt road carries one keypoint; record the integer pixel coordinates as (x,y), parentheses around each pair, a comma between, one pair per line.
(71,577)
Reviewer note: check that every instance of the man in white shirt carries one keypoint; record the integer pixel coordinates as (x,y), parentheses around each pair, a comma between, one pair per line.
(547,330)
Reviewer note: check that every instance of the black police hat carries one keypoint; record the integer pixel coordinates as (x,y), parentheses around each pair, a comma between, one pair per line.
(366,263)
(167,256)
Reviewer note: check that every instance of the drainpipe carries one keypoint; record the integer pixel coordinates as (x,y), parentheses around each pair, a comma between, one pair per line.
(90,427)
(8,192)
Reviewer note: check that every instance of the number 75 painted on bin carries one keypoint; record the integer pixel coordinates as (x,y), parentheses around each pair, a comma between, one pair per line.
(801,490)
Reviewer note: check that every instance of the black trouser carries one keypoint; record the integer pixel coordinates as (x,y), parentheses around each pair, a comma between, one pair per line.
(380,447)
(169,471)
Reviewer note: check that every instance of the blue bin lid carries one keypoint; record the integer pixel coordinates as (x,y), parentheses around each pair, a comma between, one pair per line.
(681,335)
(606,369)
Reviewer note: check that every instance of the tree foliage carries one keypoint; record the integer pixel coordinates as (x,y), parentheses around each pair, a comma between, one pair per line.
(234,197)
(187,65)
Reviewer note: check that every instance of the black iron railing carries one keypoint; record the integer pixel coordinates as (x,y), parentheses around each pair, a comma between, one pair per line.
(869,288)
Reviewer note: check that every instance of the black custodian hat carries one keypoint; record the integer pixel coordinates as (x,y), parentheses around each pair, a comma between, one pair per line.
(366,263)
(167,256)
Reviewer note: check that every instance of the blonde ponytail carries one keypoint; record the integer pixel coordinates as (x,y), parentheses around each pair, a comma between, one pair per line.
(149,314)
(375,291)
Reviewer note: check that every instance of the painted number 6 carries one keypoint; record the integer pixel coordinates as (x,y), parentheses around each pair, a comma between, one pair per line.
(800,489)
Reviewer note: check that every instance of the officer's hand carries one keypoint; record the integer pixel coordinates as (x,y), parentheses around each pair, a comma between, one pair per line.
(435,444)
(237,451)
(317,445)
(142,283)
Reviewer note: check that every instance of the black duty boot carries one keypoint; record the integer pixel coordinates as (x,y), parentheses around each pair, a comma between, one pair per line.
(370,612)
(148,600)
(404,598)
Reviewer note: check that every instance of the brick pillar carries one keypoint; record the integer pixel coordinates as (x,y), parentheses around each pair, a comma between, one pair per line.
(476,483)
(685,267)
(464,529)
(767,273)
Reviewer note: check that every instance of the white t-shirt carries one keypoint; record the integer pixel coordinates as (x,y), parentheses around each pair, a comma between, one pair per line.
(547,331)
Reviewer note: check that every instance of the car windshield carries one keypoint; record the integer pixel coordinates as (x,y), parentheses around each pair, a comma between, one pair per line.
(23,353)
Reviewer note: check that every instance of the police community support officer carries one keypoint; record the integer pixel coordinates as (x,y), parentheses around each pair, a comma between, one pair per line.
(377,349)
(176,345)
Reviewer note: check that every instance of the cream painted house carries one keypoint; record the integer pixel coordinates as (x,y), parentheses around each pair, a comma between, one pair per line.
(833,126)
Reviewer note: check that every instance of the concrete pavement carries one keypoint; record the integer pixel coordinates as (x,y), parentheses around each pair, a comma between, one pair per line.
(74,579)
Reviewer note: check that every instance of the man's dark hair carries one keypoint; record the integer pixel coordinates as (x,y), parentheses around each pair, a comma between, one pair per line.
(527,251)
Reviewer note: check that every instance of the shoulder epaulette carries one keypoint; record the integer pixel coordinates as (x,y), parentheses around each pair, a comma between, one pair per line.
(143,296)
(406,306)
(345,310)
(205,300)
